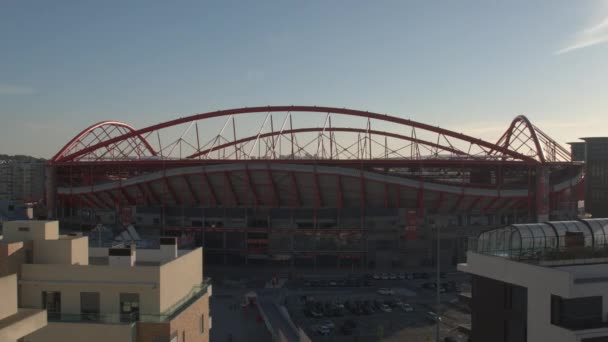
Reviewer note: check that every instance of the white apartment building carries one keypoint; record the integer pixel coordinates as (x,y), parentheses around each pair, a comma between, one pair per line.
(106,294)
(540,282)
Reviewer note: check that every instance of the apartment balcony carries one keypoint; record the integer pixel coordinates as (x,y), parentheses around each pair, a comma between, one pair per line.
(129,318)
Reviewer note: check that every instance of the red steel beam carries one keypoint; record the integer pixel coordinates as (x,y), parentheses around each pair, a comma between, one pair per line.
(153,194)
(230,188)
(296,189)
(339,192)
(210,188)
(317,189)
(127,196)
(251,186)
(421,201)
(114,198)
(474,202)
(446,163)
(172,192)
(386,195)
(195,198)
(439,202)
(332,129)
(458,202)
(142,191)
(363,191)
(276,200)
(100,199)
(490,204)
(94,200)
(91,128)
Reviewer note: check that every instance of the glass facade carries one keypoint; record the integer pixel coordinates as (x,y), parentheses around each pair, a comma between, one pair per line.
(535,239)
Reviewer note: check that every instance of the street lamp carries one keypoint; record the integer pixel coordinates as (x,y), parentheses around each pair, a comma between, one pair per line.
(438,282)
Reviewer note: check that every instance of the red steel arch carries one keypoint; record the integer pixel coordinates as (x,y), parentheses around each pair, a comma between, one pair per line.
(92,150)
(98,133)
(524,137)
(319,129)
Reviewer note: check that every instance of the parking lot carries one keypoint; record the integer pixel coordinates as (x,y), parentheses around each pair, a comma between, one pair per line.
(353,308)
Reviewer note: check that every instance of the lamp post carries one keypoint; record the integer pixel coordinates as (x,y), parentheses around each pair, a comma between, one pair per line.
(438,283)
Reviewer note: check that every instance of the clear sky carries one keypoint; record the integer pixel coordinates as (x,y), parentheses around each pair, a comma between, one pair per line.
(466,65)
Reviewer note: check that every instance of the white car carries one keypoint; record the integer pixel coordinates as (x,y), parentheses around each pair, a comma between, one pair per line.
(433,316)
(407,308)
(384,276)
(385,291)
(323,330)
(329,324)
(386,308)
(401,276)
(392,276)
(376,276)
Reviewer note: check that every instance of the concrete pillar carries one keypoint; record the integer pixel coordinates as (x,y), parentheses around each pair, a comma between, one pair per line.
(50,188)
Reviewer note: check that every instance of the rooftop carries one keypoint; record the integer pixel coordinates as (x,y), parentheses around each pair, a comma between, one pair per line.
(550,243)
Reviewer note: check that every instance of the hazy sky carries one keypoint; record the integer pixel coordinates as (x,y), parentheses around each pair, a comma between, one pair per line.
(466,65)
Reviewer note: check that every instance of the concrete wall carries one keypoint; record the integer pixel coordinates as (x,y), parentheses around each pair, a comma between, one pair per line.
(12,255)
(178,277)
(110,282)
(38,230)
(8,296)
(146,332)
(26,322)
(188,322)
(53,252)
(79,332)
(80,251)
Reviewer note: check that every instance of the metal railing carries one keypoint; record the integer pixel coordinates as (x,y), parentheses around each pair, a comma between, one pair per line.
(529,250)
(197,292)
(98,318)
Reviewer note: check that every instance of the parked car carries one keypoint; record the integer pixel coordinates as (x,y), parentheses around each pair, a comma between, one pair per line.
(392,276)
(385,291)
(409,276)
(385,308)
(407,308)
(384,276)
(323,330)
(329,324)
(376,276)
(401,276)
(433,316)
(316,314)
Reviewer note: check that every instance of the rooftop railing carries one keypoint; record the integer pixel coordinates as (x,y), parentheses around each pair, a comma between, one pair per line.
(197,292)
(529,250)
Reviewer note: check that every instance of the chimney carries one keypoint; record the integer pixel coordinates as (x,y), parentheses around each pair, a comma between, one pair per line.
(122,256)
(168,249)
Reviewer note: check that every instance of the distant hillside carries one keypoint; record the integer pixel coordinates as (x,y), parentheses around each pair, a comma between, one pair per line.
(4,158)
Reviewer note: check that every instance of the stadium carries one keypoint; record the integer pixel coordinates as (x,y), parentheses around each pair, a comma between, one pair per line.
(311,186)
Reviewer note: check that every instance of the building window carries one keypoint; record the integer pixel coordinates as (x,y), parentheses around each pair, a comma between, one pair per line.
(184,336)
(89,305)
(202,324)
(24,229)
(129,307)
(576,313)
(51,301)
